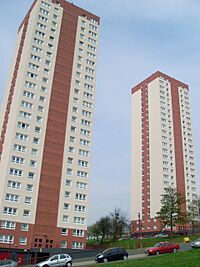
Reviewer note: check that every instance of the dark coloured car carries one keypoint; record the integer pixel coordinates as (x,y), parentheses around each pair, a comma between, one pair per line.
(162,247)
(112,254)
(8,263)
(196,243)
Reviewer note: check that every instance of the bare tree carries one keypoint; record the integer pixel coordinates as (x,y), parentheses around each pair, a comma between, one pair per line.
(119,222)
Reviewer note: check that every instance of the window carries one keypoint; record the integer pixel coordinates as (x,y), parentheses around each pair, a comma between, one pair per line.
(28,200)
(13,184)
(26,213)
(68,182)
(43,11)
(45,80)
(15,172)
(19,148)
(87,104)
(83,152)
(80,196)
(39,119)
(10,211)
(32,163)
(84,142)
(23,125)
(41,26)
(17,160)
(64,231)
(69,171)
(72,139)
(31,175)
(74,119)
(24,115)
(81,185)
(54,23)
(70,160)
(24,227)
(86,122)
(49,54)
(85,132)
(12,197)
(87,113)
(38,41)
(79,220)
(36,49)
(80,208)
(26,104)
(36,140)
(40,108)
(46,71)
(6,239)
(29,187)
(47,62)
(46,4)
(8,225)
(55,16)
(77,232)
(42,18)
(71,149)
(33,66)
(63,244)
(77,245)
(37,129)
(83,163)
(66,206)
(65,218)
(82,174)
(22,240)
(74,109)
(51,38)
(67,194)
(87,95)
(35,58)
(34,151)
(28,95)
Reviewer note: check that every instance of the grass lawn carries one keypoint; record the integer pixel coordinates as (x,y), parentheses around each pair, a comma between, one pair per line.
(132,244)
(188,259)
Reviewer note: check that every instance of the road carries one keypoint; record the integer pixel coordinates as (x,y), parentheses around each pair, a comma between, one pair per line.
(133,254)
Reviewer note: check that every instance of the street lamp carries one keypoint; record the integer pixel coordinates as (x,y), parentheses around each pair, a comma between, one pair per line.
(139,230)
(117,220)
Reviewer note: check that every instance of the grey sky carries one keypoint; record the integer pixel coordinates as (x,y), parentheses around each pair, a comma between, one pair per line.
(136,39)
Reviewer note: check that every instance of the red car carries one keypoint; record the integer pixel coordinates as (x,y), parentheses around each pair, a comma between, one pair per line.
(162,247)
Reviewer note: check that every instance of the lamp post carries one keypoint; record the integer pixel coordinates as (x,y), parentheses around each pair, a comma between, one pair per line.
(139,229)
(117,219)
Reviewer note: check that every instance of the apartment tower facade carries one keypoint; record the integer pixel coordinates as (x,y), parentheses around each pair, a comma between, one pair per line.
(162,147)
(46,128)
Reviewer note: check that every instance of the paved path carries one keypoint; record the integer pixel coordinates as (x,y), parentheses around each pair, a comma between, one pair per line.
(87,263)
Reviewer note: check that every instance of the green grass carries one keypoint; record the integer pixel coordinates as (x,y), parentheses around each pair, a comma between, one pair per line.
(133,244)
(189,258)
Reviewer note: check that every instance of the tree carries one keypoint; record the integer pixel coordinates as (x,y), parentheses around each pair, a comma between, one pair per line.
(194,212)
(119,222)
(171,213)
(104,227)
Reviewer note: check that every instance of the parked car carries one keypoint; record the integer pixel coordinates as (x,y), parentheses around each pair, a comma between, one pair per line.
(161,235)
(196,243)
(162,247)
(56,260)
(112,254)
(8,263)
